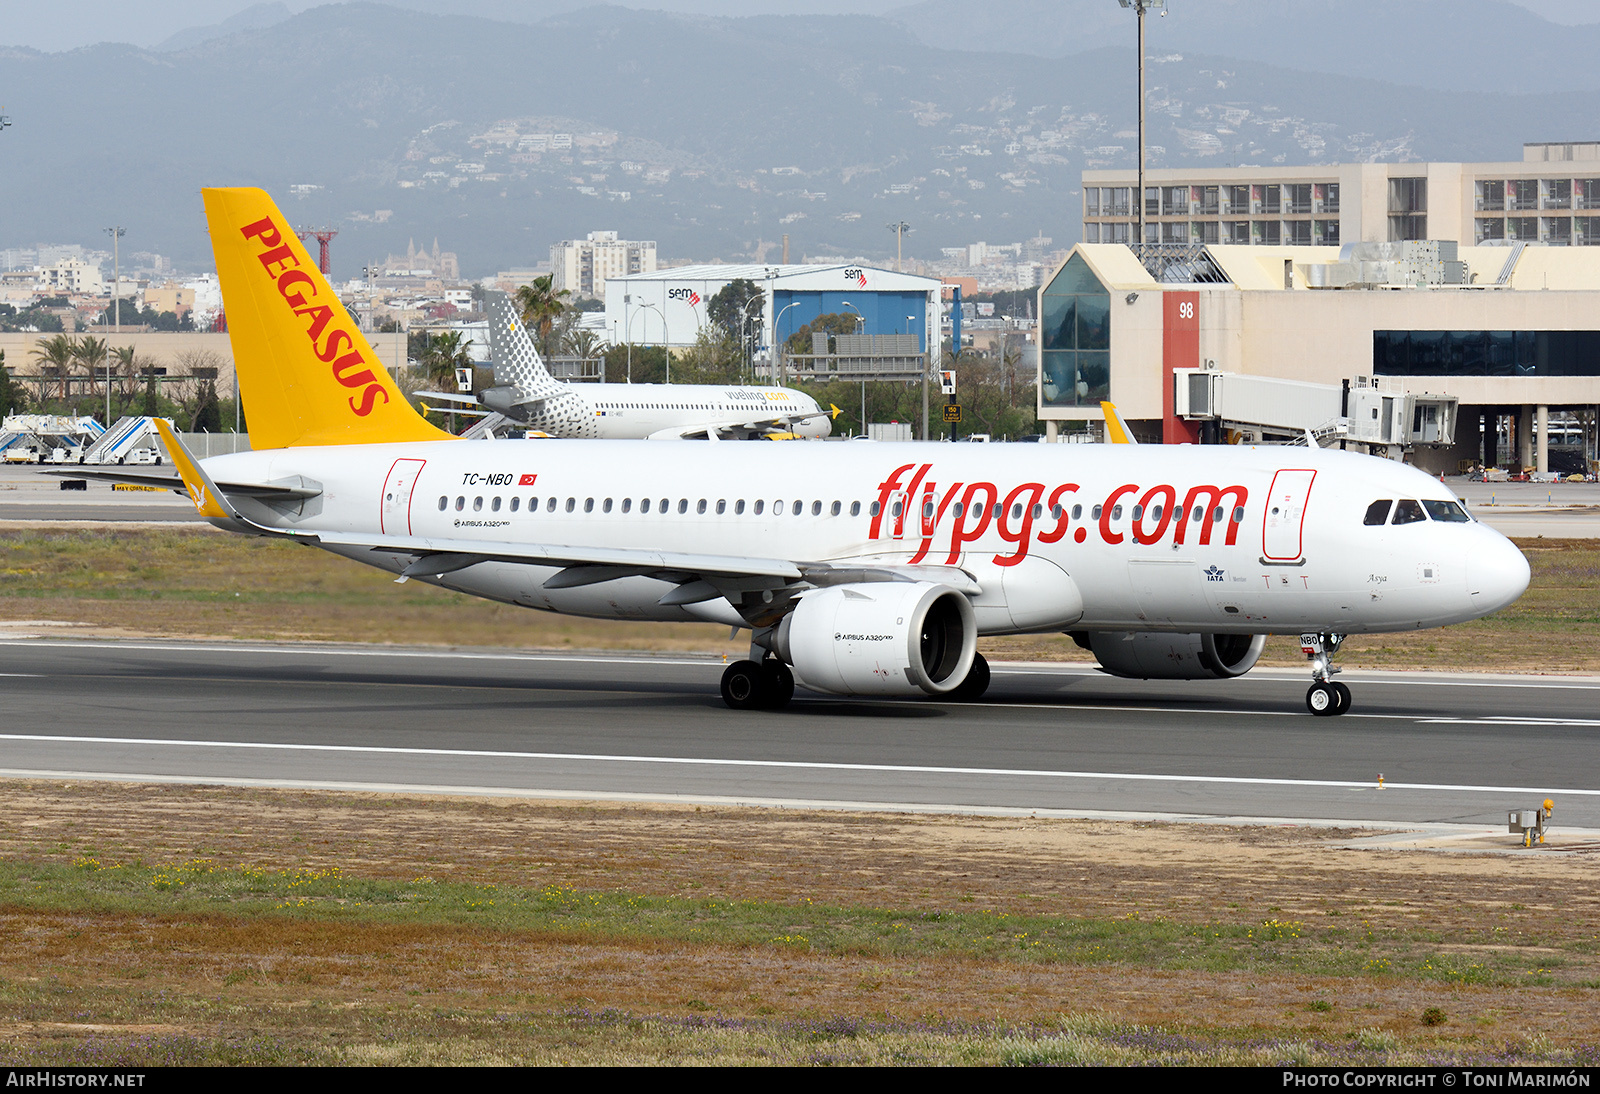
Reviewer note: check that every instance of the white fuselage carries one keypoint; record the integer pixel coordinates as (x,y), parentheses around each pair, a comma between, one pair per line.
(1057,537)
(636,411)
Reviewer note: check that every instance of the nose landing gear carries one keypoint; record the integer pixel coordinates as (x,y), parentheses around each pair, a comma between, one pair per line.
(1327,696)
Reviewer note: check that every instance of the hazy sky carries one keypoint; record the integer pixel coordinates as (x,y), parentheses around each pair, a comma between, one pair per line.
(67,24)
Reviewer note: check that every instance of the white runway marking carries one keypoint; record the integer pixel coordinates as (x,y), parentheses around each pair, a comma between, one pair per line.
(801,765)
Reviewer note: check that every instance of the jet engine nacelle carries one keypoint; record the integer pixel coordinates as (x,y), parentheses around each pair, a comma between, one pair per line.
(1153,655)
(880,638)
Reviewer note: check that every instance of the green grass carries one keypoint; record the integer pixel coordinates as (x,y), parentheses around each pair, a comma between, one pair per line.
(199,888)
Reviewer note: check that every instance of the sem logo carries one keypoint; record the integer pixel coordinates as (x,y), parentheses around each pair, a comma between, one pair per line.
(1214,574)
(688,296)
(856,275)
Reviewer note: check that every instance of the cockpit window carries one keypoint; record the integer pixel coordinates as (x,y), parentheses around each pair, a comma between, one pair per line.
(1378,512)
(1446,511)
(1407,511)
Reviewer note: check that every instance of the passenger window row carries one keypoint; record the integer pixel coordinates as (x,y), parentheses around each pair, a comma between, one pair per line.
(663,505)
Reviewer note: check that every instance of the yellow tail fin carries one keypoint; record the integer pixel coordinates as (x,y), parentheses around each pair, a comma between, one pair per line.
(306,374)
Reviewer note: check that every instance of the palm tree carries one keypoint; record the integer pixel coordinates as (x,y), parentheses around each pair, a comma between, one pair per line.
(541,305)
(126,368)
(91,353)
(581,343)
(55,356)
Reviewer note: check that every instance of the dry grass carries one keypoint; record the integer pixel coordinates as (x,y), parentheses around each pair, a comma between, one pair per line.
(193,583)
(1348,975)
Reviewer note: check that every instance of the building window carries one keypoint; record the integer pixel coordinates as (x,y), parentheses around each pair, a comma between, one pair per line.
(1266,200)
(1152,201)
(1238,200)
(1091,233)
(1210,201)
(1175,201)
(1486,353)
(1522,194)
(1175,232)
(1408,227)
(1586,231)
(1076,333)
(1408,196)
(1297,196)
(1121,202)
(1297,233)
(1091,201)
(1265,233)
(1489,195)
(1116,233)
(1556,231)
(1557,194)
(1588,193)
(1525,229)
(1236,231)
(1204,231)
(1329,197)
(1326,232)
(1490,228)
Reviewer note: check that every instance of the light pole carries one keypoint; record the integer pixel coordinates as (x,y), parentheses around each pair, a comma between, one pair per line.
(777,345)
(664,348)
(744,330)
(899,228)
(861,325)
(369,272)
(116,303)
(1140,7)
(910,319)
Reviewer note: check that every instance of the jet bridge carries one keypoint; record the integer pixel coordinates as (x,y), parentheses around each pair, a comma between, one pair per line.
(1369,410)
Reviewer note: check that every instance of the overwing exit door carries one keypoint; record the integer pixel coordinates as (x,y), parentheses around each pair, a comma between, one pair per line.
(394,516)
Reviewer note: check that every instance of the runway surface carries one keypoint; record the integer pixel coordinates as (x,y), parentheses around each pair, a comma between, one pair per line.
(1450,749)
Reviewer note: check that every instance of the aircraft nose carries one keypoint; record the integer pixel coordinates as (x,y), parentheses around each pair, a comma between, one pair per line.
(1497,573)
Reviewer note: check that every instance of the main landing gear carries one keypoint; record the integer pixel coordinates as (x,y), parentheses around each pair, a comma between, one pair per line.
(1327,696)
(763,685)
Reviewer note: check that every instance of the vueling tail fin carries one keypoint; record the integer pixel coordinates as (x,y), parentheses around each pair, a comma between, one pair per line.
(516,361)
(306,374)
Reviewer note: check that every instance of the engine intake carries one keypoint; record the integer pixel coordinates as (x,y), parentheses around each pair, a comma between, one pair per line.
(1153,655)
(880,638)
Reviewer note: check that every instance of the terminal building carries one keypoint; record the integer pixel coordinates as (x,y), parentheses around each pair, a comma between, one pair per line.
(895,311)
(1551,196)
(1442,354)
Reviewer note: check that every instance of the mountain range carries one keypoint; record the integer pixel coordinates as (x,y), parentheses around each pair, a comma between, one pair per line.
(717,136)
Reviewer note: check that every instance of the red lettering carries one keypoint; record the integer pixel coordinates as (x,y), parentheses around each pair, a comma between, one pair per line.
(282,257)
(373,392)
(961,533)
(296,277)
(1019,536)
(930,524)
(265,231)
(911,496)
(320,314)
(349,361)
(1055,534)
(1105,513)
(331,350)
(1214,498)
(1139,534)
(885,488)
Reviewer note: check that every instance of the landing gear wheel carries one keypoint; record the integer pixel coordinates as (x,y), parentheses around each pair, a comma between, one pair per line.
(744,686)
(779,684)
(976,683)
(1343,694)
(1322,700)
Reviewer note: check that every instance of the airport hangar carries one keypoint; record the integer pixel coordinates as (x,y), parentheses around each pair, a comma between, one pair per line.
(1380,343)
(896,310)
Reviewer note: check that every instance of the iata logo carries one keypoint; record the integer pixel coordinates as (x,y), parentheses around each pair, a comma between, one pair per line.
(856,276)
(688,296)
(299,289)
(1213,573)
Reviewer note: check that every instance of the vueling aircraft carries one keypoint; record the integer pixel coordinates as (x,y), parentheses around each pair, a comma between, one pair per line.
(857,569)
(526,395)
